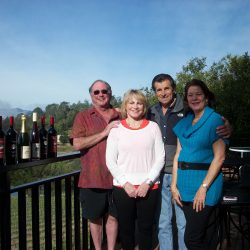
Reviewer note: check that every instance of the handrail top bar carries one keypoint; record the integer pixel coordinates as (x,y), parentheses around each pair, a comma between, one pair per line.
(43,181)
(60,157)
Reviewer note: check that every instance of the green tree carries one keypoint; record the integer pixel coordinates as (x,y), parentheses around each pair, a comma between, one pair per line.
(51,109)
(150,94)
(229,79)
(39,111)
(231,85)
(116,101)
(62,111)
(195,68)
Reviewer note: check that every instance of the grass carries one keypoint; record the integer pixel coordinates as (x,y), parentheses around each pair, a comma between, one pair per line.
(24,176)
(14,221)
(65,148)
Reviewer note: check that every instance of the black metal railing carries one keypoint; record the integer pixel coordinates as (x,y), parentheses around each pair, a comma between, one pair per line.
(56,221)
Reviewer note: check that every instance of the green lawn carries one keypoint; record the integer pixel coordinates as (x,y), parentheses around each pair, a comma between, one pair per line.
(14,220)
(20,177)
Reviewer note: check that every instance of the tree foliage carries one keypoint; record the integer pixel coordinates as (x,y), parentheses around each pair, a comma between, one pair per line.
(229,80)
(149,93)
(195,68)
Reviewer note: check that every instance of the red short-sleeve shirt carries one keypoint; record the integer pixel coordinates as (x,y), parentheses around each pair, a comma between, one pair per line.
(94,172)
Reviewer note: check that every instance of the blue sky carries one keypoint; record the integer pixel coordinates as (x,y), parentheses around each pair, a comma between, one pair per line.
(52,50)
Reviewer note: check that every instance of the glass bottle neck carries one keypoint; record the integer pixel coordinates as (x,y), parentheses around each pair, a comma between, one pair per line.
(23,126)
(11,122)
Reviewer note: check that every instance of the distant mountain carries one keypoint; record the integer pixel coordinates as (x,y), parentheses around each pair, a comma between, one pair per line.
(4,112)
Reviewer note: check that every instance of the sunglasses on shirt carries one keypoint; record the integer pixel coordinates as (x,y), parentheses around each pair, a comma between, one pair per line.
(103,91)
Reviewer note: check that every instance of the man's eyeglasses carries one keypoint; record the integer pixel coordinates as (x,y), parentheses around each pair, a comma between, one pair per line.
(103,91)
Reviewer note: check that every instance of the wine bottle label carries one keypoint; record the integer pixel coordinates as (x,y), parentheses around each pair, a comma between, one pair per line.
(1,148)
(25,152)
(53,144)
(13,149)
(43,148)
(35,150)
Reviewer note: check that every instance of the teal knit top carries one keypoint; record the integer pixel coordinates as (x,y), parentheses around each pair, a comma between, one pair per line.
(197,147)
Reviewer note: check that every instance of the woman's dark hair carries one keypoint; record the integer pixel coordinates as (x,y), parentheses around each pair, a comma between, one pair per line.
(208,94)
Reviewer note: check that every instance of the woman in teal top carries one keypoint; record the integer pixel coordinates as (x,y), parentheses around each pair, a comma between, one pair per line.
(197,180)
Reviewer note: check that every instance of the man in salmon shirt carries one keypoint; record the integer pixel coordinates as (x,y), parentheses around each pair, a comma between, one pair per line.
(89,134)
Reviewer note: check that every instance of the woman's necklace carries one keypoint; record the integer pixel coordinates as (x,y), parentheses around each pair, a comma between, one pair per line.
(134,124)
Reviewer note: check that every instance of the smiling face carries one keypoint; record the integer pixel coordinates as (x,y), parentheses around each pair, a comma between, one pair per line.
(196,99)
(134,108)
(164,92)
(100,95)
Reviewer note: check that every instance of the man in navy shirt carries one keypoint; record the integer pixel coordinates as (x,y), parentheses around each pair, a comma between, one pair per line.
(166,113)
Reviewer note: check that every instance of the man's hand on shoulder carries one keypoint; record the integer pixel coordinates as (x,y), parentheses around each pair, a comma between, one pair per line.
(89,141)
(113,124)
(225,130)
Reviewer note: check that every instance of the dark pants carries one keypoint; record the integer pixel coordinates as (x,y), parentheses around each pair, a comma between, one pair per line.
(200,233)
(129,210)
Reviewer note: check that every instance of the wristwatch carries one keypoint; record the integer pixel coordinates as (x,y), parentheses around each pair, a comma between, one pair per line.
(150,183)
(205,185)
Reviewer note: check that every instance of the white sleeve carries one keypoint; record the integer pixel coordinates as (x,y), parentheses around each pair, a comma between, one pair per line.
(112,156)
(159,156)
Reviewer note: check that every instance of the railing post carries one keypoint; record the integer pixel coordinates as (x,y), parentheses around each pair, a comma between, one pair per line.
(47,217)
(58,215)
(5,222)
(77,216)
(22,220)
(35,219)
(68,213)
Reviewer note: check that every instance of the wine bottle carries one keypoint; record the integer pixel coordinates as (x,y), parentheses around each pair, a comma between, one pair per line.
(23,142)
(43,134)
(11,144)
(35,139)
(2,144)
(52,139)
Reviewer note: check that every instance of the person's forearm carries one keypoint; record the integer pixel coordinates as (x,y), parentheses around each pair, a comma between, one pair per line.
(88,141)
(213,171)
(175,165)
(215,166)
(111,159)
(159,156)
(158,164)
(174,172)
(80,143)
(175,192)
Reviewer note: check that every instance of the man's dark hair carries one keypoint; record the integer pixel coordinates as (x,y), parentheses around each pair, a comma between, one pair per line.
(162,77)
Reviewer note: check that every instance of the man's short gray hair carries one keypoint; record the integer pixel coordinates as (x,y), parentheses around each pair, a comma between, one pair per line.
(108,86)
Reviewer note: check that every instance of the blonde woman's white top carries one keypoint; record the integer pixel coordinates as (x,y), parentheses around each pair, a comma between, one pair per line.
(135,155)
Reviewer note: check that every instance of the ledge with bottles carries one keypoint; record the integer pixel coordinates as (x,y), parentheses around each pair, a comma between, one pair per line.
(24,147)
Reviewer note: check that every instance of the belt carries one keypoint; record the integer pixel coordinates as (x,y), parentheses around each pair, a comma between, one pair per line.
(193,166)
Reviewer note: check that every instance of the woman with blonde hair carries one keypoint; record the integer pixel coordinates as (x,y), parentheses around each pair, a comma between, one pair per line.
(135,156)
